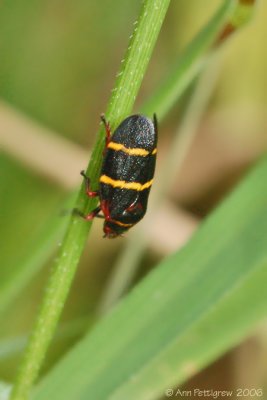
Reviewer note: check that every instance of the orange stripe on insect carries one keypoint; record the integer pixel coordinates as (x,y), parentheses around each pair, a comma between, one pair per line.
(125,185)
(132,152)
(120,223)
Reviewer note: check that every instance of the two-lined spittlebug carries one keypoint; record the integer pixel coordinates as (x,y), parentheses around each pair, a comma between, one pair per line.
(126,175)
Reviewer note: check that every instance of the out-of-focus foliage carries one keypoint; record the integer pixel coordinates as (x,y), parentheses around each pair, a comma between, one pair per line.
(207,285)
(58,63)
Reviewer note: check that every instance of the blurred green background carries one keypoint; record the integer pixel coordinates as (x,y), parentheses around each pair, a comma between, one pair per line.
(58,65)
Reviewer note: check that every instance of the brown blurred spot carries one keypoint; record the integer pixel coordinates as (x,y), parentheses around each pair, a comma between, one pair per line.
(227,31)
(247,2)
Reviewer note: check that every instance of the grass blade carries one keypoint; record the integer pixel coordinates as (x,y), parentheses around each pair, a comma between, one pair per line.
(189,64)
(195,305)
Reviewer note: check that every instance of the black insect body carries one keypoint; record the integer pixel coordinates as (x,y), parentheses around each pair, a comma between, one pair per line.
(126,175)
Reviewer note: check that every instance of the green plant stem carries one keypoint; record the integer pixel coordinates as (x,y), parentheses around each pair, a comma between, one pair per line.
(12,347)
(126,88)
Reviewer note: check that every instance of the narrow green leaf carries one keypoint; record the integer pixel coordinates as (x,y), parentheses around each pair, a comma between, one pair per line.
(189,64)
(195,305)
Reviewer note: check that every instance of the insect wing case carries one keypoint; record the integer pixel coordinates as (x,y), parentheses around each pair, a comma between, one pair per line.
(128,169)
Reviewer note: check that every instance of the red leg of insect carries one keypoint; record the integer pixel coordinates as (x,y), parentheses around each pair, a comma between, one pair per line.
(105,208)
(89,216)
(107,127)
(92,214)
(89,192)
